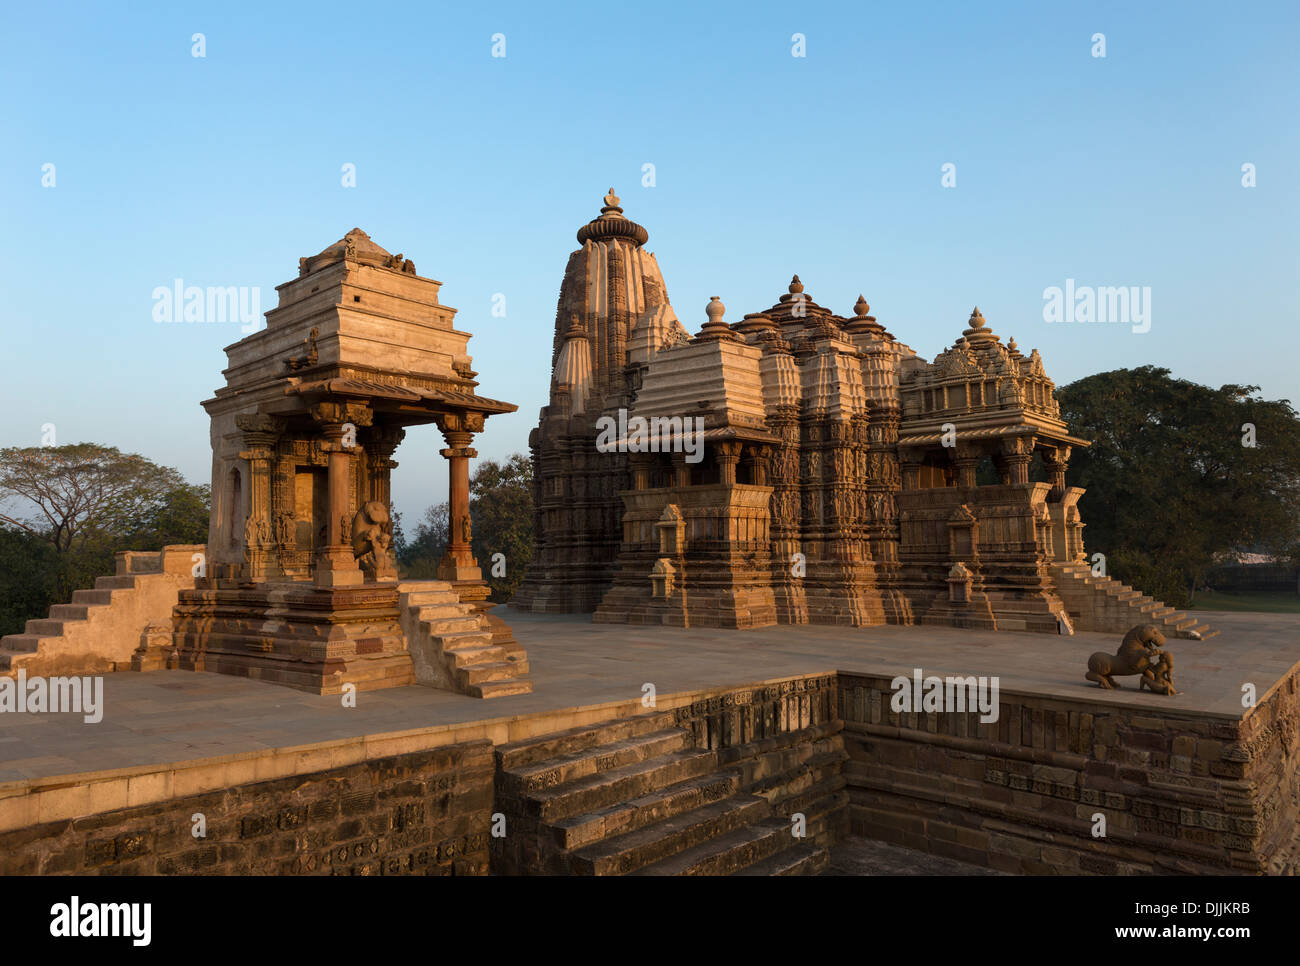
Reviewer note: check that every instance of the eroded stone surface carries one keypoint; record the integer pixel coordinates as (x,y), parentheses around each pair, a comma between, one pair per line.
(820,471)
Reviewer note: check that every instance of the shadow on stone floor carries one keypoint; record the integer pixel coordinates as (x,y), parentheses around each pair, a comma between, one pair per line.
(862,856)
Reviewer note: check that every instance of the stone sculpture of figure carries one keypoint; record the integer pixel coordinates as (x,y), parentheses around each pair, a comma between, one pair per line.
(466,529)
(372,545)
(1137,654)
(263,532)
(1162,675)
(310,357)
(250,534)
(285,528)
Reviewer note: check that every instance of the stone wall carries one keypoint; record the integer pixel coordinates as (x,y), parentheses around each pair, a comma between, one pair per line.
(423,813)
(784,740)
(1181,794)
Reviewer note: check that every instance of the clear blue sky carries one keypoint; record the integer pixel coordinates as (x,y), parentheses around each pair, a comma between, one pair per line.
(224,170)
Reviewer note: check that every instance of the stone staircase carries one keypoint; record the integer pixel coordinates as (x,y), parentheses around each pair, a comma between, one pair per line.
(452,645)
(1104,605)
(101,629)
(634,797)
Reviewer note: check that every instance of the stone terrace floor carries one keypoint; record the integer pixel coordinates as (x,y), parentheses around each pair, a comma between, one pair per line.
(168,717)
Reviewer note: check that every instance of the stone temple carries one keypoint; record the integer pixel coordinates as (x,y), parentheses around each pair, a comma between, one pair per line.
(799,466)
(807,469)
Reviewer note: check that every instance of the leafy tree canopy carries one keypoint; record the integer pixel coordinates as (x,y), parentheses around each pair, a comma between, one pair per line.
(1179,474)
(67,510)
(501,505)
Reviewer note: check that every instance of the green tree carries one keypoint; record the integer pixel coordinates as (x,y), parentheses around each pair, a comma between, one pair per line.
(501,504)
(1172,479)
(85,502)
(418,557)
(29,572)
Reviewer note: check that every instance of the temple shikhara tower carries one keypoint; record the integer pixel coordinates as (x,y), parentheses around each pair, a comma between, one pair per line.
(798,466)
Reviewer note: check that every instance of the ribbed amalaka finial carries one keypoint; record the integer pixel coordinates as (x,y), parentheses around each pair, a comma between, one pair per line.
(860,307)
(715,328)
(796,286)
(978,333)
(611,224)
(575,331)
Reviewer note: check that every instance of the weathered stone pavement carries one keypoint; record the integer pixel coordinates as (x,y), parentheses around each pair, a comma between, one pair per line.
(169,717)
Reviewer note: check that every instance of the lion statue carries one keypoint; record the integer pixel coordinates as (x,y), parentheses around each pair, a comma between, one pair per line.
(1139,653)
(372,545)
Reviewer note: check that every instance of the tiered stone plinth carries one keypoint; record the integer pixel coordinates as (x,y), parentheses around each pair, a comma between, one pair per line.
(296,634)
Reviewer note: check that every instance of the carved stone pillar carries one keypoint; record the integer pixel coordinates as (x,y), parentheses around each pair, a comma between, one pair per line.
(380,451)
(1018,452)
(681,471)
(336,566)
(1056,460)
(967,463)
(642,465)
(1004,469)
(910,465)
(458,564)
(728,457)
(260,433)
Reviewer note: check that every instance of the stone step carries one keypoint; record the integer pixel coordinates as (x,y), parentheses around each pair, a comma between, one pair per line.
(70,612)
(457,640)
(469,656)
(579,764)
(483,673)
(618,784)
(803,859)
(21,643)
(45,627)
(1161,612)
(92,597)
(411,586)
(500,689)
(1205,631)
(425,598)
(626,853)
(1181,621)
(728,853)
(115,583)
(437,623)
(12,660)
(573,833)
(519,753)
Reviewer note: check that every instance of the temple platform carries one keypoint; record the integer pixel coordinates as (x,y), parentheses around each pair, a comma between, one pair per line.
(170,736)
